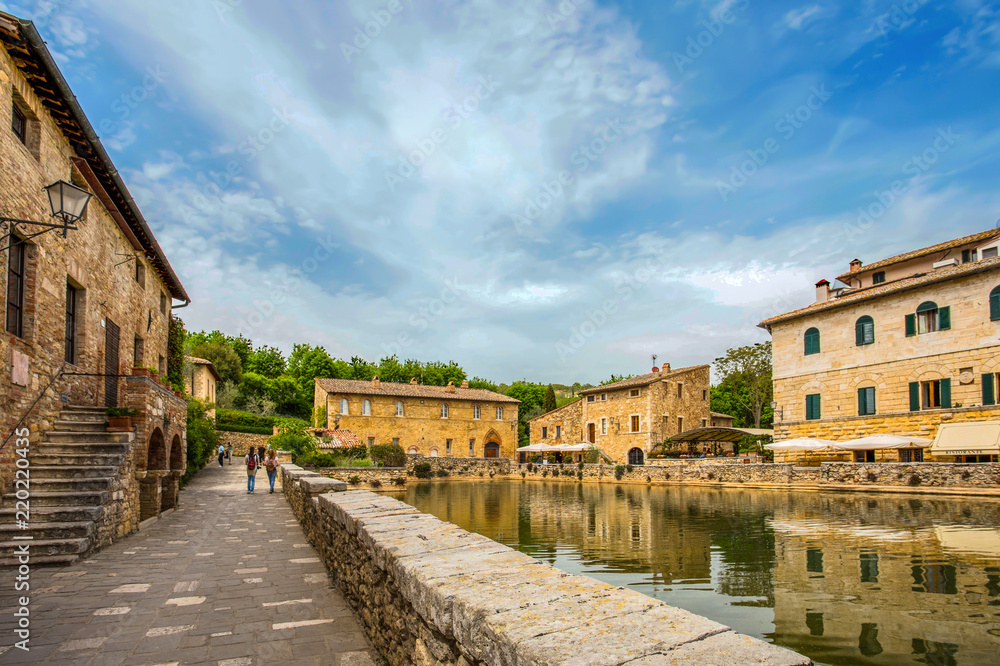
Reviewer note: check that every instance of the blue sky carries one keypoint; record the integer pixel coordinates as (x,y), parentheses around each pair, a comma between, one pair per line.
(534,189)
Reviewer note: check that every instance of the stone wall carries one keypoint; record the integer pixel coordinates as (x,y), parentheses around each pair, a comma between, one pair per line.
(914,475)
(242,441)
(428,592)
(383,477)
(461,466)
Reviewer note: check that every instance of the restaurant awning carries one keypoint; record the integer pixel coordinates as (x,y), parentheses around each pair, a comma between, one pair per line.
(963,439)
(720,434)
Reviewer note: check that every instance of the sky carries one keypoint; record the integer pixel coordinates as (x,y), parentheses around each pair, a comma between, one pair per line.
(535,189)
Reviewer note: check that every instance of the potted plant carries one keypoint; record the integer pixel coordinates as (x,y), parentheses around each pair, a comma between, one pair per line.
(138,371)
(120,418)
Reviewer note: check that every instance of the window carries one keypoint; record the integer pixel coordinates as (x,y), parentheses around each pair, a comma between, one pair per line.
(70,323)
(930,394)
(864,331)
(590,398)
(812,341)
(558,432)
(680,424)
(934,394)
(911,455)
(878,277)
(434,452)
(412,450)
(604,426)
(995,304)
(989,252)
(163,303)
(476,412)
(15,287)
(343,406)
(812,407)
(866,401)
(704,394)
(990,382)
(499,413)
(447,447)
(704,423)
(864,456)
(472,448)
(928,319)
(395,441)
(444,410)
(604,397)
(634,423)
(19,124)
(968,255)
(137,351)
(366,408)
(399,408)
(634,393)
(140,273)
(371,442)
(545,432)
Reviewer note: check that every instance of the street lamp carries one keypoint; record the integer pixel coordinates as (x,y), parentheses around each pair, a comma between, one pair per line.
(67,201)
(778,413)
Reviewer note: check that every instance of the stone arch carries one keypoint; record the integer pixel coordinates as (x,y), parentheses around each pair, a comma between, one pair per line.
(990,364)
(868,379)
(636,456)
(177,462)
(156,452)
(491,445)
(930,371)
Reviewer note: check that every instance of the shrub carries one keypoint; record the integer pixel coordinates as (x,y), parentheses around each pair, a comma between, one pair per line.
(914,480)
(551,458)
(872,477)
(399,481)
(579,475)
(354,479)
(316,459)
(388,455)
(375,483)
(580,466)
(253,430)
(966,474)
(535,458)
(619,472)
(710,475)
(545,473)
(524,474)
(530,467)
(649,479)
(442,472)
(422,470)
(299,445)
(592,456)
(202,440)
(628,468)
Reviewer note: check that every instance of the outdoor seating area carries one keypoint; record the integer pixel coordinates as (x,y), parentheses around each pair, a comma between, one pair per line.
(564,453)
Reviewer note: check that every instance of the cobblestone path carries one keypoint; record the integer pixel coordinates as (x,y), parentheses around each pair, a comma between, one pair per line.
(228,578)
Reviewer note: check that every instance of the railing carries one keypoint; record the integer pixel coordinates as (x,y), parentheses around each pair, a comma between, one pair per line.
(33,405)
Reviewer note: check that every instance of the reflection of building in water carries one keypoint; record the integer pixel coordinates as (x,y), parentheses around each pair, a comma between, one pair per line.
(845,588)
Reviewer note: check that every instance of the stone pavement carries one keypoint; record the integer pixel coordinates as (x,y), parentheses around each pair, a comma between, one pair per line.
(227,578)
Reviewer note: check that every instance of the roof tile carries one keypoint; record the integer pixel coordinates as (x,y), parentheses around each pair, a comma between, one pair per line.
(363,387)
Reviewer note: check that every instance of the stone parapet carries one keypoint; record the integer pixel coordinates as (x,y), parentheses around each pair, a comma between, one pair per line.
(965,475)
(428,592)
(461,466)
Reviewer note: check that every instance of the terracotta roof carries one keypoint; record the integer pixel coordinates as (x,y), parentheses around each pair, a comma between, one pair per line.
(342,439)
(553,411)
(853,296)
(923,252)
(641,380)
(362,387)
(205,361)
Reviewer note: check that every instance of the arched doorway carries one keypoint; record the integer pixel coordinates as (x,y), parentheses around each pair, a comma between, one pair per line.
(177,462)
(412,450)
(434,453)
(635,456)
(156,452)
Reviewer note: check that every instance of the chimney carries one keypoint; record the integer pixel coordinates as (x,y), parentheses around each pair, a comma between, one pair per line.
(665,367)
(450,388)
(856,265)
(823,290)
(465,383)
(375,382)
(413,380)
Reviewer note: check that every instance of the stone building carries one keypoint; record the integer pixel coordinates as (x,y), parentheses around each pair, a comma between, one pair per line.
(627,419)
(200,378)
(907,343)
(83,305)
(431,420)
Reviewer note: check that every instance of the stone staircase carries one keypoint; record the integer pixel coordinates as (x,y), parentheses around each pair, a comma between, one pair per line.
(72,471)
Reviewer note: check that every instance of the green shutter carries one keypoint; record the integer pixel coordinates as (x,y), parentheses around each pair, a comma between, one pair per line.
(995,304)
(914,396)
(946,393)
(812,407)
(944,318)
(862,402)
(989,396)
(859,334)
(911,325)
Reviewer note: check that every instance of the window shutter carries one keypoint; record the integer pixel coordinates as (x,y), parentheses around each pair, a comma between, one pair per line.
(989,395)
(859,334)
(914,396)
(995,305)
(862,402)
(946,393)
(944,318)
(911,325)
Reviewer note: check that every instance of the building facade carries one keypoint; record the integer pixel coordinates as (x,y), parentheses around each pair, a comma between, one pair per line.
(627,419)
(908,343)
(200,379)
(430,420)
(85,304)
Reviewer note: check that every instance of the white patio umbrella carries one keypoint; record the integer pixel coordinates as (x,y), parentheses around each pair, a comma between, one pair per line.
(883,442)
(801,444)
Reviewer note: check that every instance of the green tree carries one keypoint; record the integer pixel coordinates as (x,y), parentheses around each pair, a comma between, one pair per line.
(480,383)
(549,401)
(746,380)
(266,361)
(175,352)
(222,355)
(616,378)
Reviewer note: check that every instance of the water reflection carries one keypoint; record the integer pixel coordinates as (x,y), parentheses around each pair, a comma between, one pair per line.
(843,578)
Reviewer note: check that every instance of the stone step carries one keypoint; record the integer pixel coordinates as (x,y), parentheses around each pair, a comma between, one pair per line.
(71,485)
(60,425)
(87,498)
(43,547)
(48,530)
(42,560)
(79,437)
(77,460)
(45,448)
(71,471)
(53,513)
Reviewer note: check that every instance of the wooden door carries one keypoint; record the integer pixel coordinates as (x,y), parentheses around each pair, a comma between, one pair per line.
(591,432)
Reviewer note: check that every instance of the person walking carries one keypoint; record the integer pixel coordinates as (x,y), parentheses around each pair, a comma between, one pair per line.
(252,462)
(229,453)
(222,454)
(271,466)
(260,455)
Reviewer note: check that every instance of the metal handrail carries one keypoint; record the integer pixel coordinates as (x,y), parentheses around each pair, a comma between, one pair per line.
(33,405)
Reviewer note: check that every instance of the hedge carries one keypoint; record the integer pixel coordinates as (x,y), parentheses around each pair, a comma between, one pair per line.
(236,417)
(229,427)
